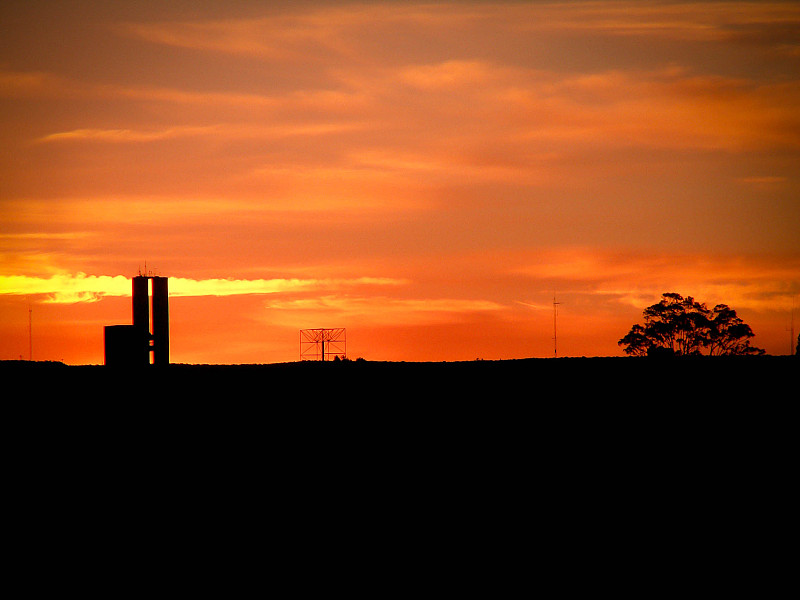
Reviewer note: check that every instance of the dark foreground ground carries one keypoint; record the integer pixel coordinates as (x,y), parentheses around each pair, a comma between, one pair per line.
(541,411)
(539,380)
(491,402)
(623,474)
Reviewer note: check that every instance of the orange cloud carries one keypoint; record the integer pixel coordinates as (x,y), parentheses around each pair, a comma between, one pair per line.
(639,278)
(681,21)
(375,310)
(30,83)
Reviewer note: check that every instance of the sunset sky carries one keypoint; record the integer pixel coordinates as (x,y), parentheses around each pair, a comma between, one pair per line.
(426,175)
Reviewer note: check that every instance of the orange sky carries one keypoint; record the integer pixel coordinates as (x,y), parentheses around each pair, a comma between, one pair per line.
(426,175)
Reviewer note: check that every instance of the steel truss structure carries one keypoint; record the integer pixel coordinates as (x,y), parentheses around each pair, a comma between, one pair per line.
(323,344)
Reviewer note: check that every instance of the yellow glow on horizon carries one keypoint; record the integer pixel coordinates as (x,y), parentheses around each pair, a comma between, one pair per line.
(69,289)
(66,289)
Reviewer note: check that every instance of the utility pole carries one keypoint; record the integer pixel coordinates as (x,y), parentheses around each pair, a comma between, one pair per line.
(30,332)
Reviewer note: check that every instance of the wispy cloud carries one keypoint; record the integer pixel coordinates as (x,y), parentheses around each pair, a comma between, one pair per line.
(377,310)
(316,34)
(639,278)
(360,33)
(27,83)
(231,287)
(688,21)
(127,135)
(219,131)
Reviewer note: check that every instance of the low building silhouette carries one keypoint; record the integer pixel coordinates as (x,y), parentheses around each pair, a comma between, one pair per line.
(132,345)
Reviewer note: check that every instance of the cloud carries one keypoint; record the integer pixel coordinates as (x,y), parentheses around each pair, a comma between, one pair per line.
(69,289)
(449,74)
(681,21)
(638,278)
(316,35)
(663,108)
(79,214)
(232,287)
(219,131)
(126,135)
(358,32)
(27,83)
(277,38)
(65,289)
(377,310)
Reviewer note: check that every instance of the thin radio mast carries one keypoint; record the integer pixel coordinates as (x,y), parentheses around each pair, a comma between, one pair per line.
(555,332)
(791,340)
(30,332)
(323,344)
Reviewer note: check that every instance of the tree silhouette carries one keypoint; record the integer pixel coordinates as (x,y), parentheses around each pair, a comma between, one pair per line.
(679,326)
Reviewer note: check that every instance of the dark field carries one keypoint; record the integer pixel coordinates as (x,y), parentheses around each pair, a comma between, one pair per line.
(636,461)
(540,410)
(525,380)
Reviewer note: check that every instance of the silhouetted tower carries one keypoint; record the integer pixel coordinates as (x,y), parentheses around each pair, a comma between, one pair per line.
(131,345)
(151,317)
(141,319)
(322,344)
(555,332)
(160,329)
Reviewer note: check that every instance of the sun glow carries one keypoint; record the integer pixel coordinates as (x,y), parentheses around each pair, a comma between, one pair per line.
(68,289)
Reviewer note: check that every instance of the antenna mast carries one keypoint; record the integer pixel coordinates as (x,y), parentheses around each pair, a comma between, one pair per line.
(30,332)
(792,340)
(323,344)
(555,335)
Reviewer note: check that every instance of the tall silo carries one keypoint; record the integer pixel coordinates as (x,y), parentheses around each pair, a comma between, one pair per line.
(141,318)
(160,321)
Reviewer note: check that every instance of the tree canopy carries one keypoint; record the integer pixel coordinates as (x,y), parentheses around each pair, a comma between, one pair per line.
(684,327)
